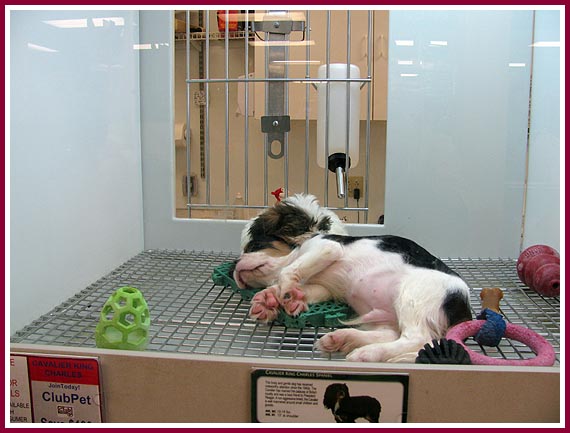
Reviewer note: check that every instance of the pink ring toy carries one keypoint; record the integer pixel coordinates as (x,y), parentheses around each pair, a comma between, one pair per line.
(544,350)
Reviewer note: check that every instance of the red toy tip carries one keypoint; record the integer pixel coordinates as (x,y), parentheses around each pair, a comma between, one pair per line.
(277,193)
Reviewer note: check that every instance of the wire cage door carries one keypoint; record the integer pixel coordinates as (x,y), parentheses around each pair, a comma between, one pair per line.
(270,97)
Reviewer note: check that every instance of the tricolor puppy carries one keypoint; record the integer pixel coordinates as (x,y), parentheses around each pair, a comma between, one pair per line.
(404,296)
(346,408)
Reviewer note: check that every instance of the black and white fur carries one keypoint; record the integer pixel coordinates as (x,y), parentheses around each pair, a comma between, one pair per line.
(348,409)
(404,296)
(288,224)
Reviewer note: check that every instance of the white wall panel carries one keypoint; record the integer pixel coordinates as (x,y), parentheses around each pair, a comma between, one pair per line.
(542,224)
(75,165)
(457,126)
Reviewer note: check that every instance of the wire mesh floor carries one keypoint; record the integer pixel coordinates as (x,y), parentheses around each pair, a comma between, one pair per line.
(190,314)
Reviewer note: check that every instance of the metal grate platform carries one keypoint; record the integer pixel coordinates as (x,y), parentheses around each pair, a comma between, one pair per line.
(190,314)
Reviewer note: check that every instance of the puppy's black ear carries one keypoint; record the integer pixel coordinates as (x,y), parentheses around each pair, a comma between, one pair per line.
(266,224)
(324,225)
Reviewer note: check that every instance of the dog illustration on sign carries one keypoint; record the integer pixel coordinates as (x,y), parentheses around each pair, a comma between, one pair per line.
(346,408)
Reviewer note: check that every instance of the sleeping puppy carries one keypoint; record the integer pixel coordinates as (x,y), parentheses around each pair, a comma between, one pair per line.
(288,224)
(348,409)
(404,296)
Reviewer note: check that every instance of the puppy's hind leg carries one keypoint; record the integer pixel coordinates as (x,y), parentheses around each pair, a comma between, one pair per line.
(347,339)
(421,311)
(418,326)
(404,349)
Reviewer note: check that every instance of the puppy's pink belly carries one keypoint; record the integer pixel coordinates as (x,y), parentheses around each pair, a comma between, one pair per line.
(374,296)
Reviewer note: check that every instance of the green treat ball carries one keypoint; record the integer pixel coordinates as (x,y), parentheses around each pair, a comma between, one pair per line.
(124,321)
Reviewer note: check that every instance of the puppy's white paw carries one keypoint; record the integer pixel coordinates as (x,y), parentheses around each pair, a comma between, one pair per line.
(336,341)
(370,353)
(265,305)
(293,301)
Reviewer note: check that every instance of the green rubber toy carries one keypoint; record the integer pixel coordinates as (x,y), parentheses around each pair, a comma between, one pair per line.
(124,321)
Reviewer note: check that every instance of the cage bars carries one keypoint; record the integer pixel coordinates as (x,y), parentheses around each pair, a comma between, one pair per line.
(206,80)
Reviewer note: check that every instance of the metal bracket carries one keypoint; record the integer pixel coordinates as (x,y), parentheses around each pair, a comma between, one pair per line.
(271,124)
(278,25)
(276,123)
(275,127)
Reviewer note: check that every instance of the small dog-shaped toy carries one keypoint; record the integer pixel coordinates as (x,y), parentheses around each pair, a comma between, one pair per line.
(346,408)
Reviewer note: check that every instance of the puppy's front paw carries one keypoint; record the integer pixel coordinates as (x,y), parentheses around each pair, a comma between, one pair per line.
(264,305)
(293,301)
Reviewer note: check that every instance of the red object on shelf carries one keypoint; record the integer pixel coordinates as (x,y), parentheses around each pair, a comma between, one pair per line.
(546,280)
(531,252)
(232,21)
(539,268)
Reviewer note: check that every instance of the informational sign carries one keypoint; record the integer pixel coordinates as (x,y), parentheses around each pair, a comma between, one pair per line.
(20,400)
(60,390)
(288,396)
